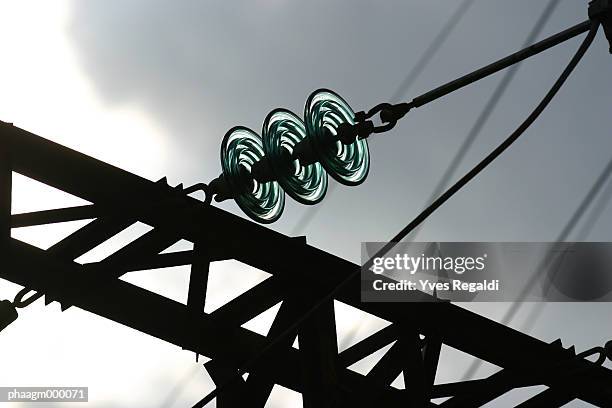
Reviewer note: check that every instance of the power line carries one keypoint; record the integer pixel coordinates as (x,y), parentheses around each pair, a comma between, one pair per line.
(178,388)
(390,114)
(483,117)
(584,232)
(484,163)
(401,90)
(431,51)
(490,106)
(563,235)
(598,209)
(496,152)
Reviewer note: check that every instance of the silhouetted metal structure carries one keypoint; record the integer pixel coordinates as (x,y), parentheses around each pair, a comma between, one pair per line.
(305,279)
(301,274)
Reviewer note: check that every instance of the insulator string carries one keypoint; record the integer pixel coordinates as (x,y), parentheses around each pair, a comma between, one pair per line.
(293,156)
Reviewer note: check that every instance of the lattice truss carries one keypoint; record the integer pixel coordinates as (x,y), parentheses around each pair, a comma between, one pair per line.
(301,275)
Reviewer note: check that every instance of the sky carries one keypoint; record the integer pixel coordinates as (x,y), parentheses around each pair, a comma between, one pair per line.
(153,86)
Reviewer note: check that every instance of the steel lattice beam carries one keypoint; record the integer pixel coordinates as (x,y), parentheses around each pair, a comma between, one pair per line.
(120,198)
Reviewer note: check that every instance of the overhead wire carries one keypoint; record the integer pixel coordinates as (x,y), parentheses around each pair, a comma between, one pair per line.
(483,117)
(431,51)
(580,211)
(489,107)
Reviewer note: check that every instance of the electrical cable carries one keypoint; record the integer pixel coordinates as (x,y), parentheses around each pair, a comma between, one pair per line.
(482,119)
(431,51)
(488,109)
(392,113)
(584,232)
(563,235)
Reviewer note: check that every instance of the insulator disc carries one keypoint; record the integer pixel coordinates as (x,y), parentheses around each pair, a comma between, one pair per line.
(240,149)
(282,130)
(347,164)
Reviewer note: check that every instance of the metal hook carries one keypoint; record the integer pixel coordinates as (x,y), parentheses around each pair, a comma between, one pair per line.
(595,350)
(201,187)
(604,352)
(389,115)
(18,302)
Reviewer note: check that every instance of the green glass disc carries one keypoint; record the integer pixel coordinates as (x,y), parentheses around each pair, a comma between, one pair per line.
(240,149)
(324,112)
(282,130)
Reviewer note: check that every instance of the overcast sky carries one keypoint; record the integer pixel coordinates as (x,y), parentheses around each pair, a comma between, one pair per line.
(152,86)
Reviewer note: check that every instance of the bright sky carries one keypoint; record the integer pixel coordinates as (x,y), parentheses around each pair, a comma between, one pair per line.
(44,90)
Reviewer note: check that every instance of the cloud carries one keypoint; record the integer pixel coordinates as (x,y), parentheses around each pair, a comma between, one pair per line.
(199,68)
